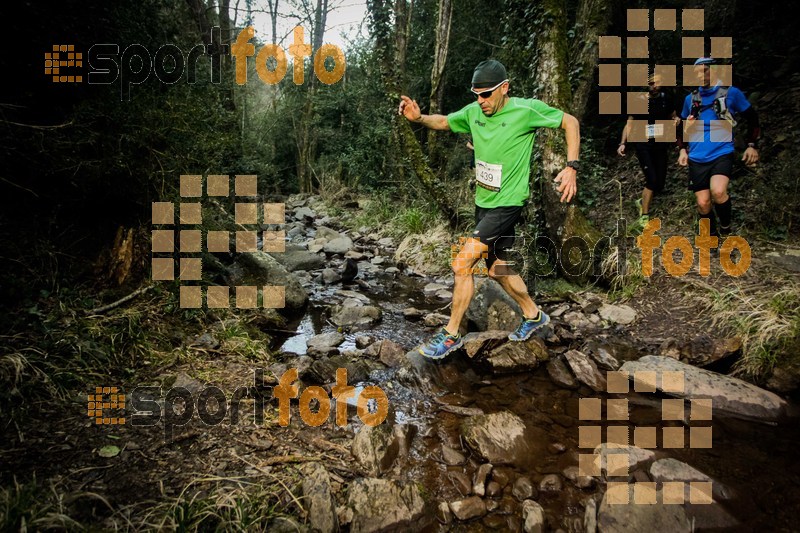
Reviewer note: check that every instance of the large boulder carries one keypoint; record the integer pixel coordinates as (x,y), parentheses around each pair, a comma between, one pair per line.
(386,505)
(298,258)
(488,291)
(615,516)
(261,269)
(729,395)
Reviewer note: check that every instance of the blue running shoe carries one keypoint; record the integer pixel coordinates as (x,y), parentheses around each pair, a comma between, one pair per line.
(528,326)
(441,344)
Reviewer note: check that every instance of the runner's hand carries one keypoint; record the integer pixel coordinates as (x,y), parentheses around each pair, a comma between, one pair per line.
(750,156)
(409,109)
(621,150)
(683,158)
(569,187)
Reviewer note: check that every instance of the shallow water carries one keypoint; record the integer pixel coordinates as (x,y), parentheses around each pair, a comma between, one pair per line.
(757,462)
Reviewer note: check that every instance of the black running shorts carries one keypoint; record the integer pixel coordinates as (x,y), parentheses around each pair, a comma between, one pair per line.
(495,228)
(700,173)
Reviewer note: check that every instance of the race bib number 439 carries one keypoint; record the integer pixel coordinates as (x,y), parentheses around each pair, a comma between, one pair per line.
(488,176)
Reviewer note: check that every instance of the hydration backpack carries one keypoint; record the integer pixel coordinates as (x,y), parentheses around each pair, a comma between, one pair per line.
(719,105)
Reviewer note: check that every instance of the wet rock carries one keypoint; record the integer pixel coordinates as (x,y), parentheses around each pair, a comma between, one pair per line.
(590,516)
(461,482)
(585,370)
(673,470)
(303,213)
(488,291)
(476,344)
(444,294)
(386,241)
(572,473)
(729,395)
(323,370)
(355,255)
(392,270)
(390,353)
(479,482)
(550,483)
(576,320)
(502,475)
(631,517)
(452,457)
(558,311)
(637,457)
(349,270)
(497,437)
(469,508)
(363,316)
(443,514)
(433,320)
(532,516)
(327,233)
(412,313)
(296,258)
(556,447)
(362,341)
(518,356)
(602,356)
(353,295)
(259,268)
(315,248)
(560,374)
(432,288)
(382,504)
(704,349)
(378,260)
(618,314)
(318,499)
(492,505)
(375,448)
(494,521)
(523,489)
(324,344)
(502,316)
(493,489)
(339,246)
(302,363)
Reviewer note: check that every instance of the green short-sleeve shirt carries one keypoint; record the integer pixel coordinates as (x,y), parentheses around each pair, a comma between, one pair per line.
(503,144)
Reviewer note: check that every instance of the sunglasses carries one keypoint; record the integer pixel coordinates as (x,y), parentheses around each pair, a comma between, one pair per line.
(488,92)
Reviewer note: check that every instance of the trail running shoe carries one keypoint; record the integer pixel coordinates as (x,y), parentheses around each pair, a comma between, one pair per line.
(528,326)
(441,344)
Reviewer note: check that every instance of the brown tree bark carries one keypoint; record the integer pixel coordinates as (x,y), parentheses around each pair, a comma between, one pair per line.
(593,20)
(565,223)
(437,72)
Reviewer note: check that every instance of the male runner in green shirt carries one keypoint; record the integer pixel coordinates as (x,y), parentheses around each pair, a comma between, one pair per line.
(502,130)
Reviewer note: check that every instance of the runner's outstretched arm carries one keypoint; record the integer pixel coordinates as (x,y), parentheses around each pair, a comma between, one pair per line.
(409,109)
(568,177)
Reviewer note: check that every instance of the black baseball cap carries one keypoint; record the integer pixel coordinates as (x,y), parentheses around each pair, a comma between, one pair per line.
(489,74)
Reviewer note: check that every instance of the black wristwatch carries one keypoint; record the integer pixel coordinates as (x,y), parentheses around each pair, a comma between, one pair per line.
(574,164)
